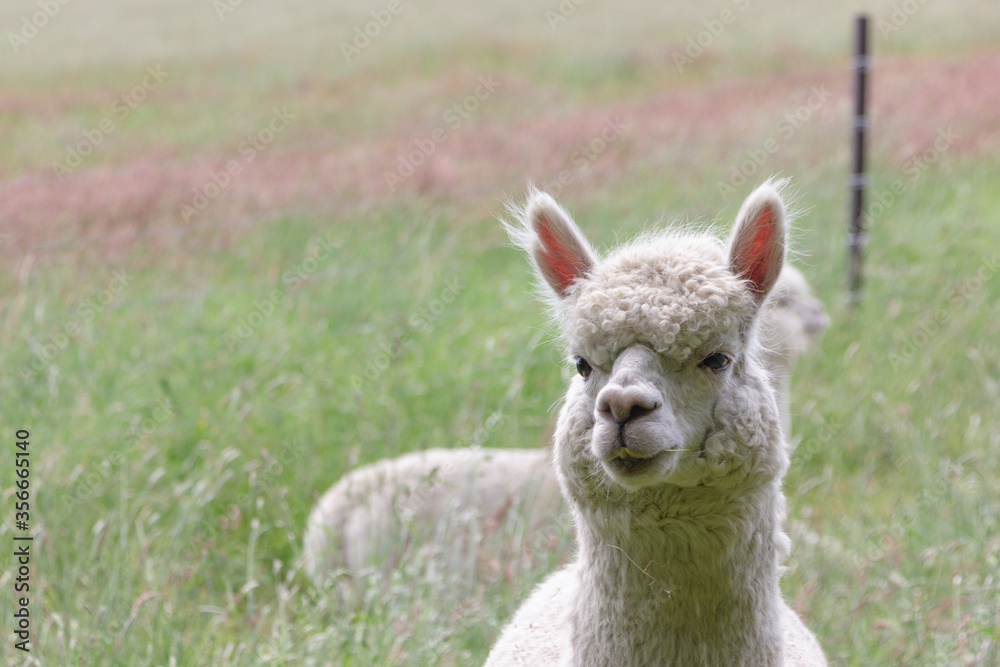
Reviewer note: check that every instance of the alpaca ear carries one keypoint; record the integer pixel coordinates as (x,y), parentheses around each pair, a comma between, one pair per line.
(557,246)
(757,245)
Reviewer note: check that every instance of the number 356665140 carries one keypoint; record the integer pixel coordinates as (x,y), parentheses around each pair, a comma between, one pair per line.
(22,463)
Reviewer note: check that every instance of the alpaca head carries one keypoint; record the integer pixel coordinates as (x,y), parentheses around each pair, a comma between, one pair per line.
(794,320)
(669,391)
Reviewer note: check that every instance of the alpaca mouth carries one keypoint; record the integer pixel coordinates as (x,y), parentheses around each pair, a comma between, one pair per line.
(630,462)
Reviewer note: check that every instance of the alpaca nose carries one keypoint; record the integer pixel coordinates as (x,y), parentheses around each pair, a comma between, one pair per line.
(624,404)
(817,320)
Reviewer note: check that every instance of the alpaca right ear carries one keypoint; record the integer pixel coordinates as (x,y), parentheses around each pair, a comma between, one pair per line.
(757,245)
(559,249)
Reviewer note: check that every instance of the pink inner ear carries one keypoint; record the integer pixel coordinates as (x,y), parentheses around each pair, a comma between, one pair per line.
(561,265)
(758,257)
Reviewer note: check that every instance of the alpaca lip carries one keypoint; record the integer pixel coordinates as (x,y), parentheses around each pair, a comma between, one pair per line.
(624,452)
(628,461)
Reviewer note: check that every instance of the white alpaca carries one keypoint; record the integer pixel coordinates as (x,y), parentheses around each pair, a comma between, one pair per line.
(790,321)
(669,451)
(378,513)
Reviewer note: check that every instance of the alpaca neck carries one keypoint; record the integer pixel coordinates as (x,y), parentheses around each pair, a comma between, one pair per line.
(695,589)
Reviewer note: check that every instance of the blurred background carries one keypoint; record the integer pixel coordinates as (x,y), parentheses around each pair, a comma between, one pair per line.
(248,246)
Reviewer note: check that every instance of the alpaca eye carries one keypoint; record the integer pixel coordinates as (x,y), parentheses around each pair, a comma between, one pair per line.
(716,361)
(583,367)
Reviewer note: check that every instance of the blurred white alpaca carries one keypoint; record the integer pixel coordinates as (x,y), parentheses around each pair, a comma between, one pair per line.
(452,504)
(790,321)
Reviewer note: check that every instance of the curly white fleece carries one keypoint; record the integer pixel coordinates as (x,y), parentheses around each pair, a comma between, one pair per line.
(672,300)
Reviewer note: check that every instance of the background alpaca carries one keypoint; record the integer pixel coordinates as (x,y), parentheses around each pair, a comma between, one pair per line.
(669,451)
(461,507)
(790,322)
(376,514)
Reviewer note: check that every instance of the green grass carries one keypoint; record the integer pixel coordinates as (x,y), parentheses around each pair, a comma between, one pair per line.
(184,428)
(196,505)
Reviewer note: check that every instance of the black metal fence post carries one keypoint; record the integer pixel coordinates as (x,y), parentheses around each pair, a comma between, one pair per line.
(859,179)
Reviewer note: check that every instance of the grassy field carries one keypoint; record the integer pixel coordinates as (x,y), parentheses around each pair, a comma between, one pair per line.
(192,383)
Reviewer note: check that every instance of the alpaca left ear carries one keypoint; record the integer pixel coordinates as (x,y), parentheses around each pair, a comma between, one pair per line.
(559,249)
(757,245)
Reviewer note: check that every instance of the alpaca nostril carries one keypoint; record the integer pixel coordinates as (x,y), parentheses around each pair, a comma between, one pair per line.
(638,411)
